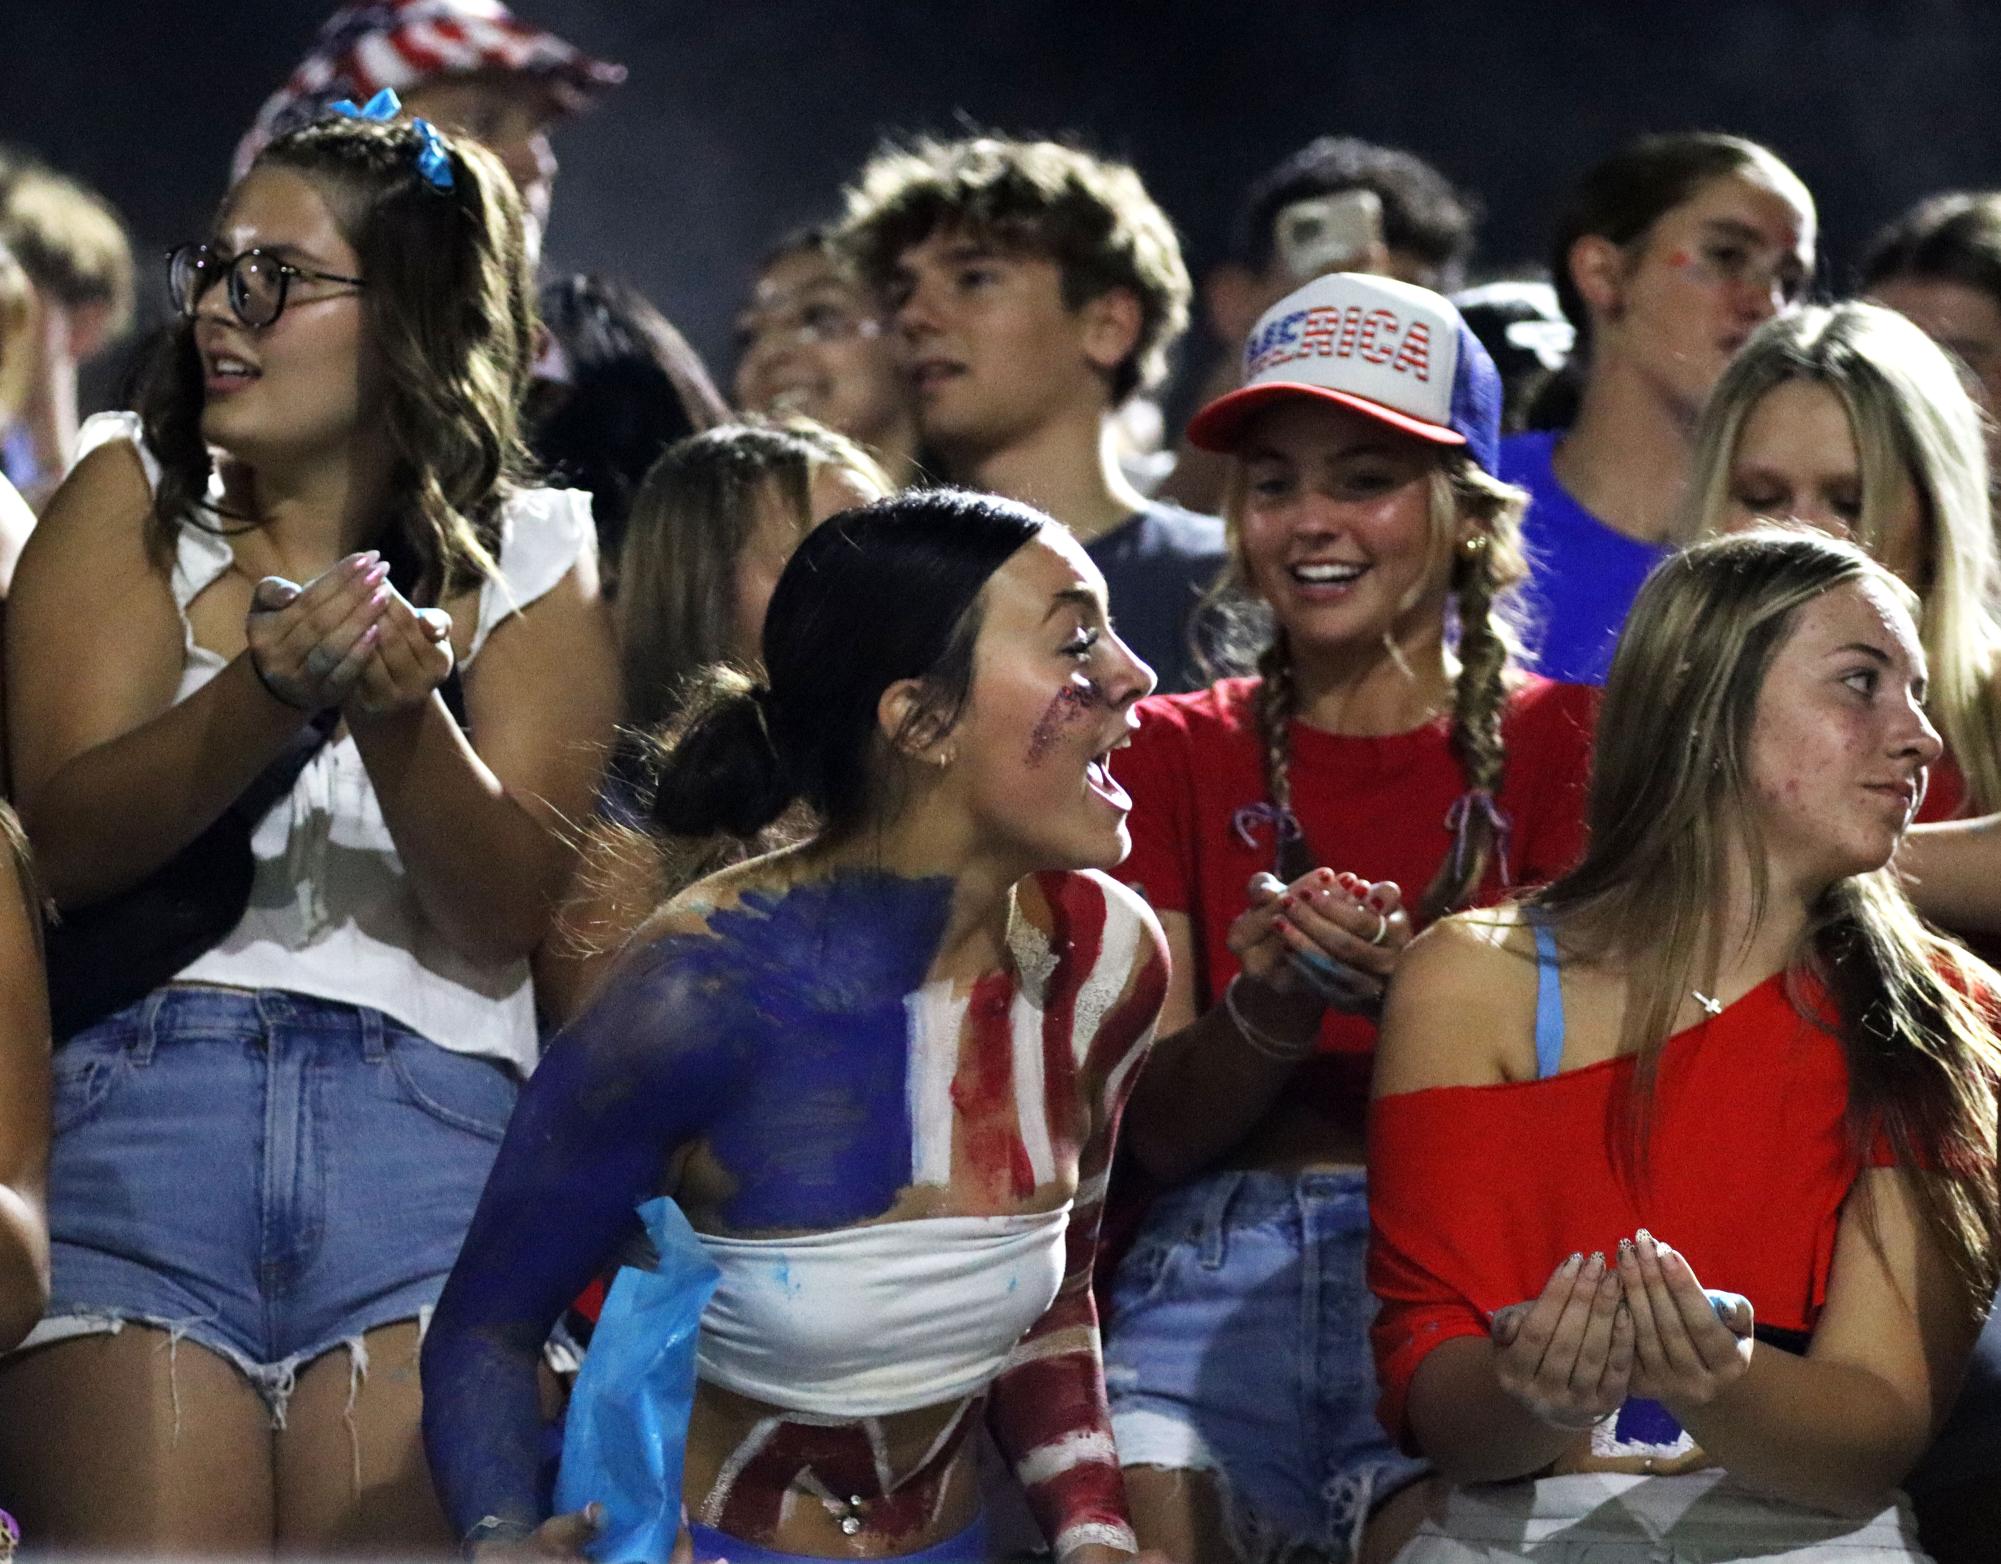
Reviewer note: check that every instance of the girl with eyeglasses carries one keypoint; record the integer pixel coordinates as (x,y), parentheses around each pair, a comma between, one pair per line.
(811,341)
(304,682)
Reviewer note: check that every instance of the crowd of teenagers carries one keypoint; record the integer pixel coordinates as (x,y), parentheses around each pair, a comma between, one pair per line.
(1395,972)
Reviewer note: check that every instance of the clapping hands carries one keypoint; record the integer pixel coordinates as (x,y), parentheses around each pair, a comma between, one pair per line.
(347,638)
(1642,1325)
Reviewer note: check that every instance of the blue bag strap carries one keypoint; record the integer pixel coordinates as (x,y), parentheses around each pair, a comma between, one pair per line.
(1548,999)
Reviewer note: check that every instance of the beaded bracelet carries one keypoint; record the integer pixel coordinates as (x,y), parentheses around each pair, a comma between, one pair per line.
(1259,1041)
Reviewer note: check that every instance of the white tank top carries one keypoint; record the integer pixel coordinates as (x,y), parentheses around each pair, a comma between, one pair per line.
(331,913)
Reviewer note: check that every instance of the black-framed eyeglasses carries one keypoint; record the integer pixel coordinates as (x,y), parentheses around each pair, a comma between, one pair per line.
(258,281)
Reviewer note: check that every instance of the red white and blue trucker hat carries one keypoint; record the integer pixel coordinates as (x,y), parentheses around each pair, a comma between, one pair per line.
(1386,349)
(373,44)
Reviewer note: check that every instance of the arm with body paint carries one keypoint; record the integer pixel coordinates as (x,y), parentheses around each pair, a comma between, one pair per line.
(1048,1408)
(636,1076)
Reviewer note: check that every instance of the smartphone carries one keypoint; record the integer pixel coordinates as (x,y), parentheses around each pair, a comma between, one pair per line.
(1327,233)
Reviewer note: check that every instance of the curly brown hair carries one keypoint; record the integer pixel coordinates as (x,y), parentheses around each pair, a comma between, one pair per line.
(451,309)
(1092,217)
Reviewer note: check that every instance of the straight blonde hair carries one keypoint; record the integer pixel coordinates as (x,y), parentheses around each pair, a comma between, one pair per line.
(1914,422)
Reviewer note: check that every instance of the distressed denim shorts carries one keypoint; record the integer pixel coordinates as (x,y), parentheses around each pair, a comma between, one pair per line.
(266,1174)
(1238,1344)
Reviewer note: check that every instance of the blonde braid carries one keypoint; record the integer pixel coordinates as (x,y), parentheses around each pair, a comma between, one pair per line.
(1276,699)
(1485,568)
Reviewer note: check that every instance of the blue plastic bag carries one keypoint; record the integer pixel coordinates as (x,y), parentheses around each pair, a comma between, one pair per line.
(627,1426)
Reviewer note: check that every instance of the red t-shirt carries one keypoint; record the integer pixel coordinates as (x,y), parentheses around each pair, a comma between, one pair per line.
(1945,793)
(1476,1193)
(1373,807)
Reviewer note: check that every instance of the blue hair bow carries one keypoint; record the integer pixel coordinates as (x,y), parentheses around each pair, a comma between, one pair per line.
(434,162)
(385,105)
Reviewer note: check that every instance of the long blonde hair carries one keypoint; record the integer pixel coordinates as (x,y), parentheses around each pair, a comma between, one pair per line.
(1671,796)
(1912,419)
(1483,578)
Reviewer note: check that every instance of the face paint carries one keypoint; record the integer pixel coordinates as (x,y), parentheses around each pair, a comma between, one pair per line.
(1070,705)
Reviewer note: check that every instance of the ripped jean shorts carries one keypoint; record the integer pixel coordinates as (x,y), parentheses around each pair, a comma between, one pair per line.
(266,1174)
(1238,1344)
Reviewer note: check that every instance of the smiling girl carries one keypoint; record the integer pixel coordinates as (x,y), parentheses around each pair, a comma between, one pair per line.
(1390,764)
(310,577)
(880,1071)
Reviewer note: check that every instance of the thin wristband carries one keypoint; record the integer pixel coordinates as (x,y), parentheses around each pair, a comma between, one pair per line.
(1277,1049)
(274,692)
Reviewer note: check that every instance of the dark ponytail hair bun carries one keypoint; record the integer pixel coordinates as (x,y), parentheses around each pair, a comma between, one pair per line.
(721,771)
(873,596)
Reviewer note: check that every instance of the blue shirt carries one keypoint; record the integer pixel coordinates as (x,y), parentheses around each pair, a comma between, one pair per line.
(1583,576)
(1157,564)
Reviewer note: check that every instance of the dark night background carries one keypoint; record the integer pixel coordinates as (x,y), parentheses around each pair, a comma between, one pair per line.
(741,117)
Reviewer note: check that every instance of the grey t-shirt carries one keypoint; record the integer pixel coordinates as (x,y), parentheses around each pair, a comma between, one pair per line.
(1157,564)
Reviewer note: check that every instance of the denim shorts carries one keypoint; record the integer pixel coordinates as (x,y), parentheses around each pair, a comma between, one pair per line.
(263,1173)
(1238,1344)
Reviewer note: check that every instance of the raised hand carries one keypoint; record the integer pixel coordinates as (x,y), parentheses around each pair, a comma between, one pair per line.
(308,645)
(1686,1351)
(1567,1356)
(412,657)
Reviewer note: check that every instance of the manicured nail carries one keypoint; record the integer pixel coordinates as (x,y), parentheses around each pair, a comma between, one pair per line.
(378,572)
(1286,900)
(378,597)
(1325,875)
(371,635)
(1625,1247)
(1571,1266)
(1595,1266)
(594,1513)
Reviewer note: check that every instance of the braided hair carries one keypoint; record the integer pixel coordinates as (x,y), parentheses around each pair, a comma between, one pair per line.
(1485,572)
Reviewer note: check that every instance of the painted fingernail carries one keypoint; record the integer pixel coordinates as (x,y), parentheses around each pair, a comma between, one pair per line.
(378,572)
(1325,876)
(1625,1247)
(378,597)
(1570,1266)
(1644,1236)
(1595,1266)
(371,635)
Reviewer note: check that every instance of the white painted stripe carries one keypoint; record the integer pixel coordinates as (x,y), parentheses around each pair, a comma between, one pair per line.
(935,1017)
(1117,949)
(1101,1534)
(1115,1082)
(1031,1094)
(1085,1447)
(1057,1344)
(732,1468)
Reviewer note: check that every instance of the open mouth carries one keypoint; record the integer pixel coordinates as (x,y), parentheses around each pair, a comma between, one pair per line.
(1328,575)
(929,374)
(1099,779)
(226,371)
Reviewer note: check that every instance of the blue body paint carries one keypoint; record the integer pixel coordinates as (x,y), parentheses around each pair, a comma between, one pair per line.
(779,1039)
(818,1135)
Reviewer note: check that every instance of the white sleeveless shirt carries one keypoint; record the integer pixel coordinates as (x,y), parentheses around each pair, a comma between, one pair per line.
(331,912)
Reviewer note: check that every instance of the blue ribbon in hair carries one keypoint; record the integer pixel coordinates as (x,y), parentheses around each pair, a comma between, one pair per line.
(434,162)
